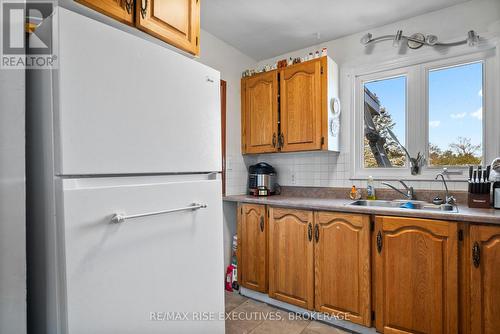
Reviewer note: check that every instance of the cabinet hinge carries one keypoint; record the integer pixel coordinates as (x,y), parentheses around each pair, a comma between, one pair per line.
(321,69)
(372,225)
(373,315)
(322,140)
(241,210)
(196,40)
(460,235)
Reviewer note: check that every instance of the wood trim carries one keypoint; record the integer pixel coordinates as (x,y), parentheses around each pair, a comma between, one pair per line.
(223,91)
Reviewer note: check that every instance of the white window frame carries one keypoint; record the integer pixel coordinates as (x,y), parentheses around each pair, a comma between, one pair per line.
(417,71)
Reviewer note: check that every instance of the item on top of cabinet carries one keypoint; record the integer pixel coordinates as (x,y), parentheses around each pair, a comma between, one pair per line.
(355,194)
(282,63)
(479,187)
(324,52)
(245,73)
(297,60)
(262,179)
(370,189)
(290,61)
(316,54)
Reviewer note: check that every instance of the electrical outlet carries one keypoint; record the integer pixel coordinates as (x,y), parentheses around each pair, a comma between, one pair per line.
(294,181)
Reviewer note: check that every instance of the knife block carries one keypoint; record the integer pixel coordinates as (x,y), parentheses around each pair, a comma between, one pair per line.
(479,201)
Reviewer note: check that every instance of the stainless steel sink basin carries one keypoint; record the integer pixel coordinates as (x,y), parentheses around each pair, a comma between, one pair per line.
(401,204)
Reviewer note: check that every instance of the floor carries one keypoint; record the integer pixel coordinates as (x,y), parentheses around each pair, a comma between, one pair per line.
(250,316)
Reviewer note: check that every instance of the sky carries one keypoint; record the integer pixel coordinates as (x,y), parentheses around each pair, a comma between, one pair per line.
(455,103)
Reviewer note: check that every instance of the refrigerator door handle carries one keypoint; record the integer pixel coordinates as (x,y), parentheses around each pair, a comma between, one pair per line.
(121,218)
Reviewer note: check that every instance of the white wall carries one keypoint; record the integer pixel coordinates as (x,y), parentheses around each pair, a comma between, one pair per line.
(328,169)
(12,204)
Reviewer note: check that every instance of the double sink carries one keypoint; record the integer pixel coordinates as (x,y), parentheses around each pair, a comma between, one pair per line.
(407,205)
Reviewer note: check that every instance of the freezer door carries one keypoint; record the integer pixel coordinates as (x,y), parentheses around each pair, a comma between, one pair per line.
(125,105)
(146,274)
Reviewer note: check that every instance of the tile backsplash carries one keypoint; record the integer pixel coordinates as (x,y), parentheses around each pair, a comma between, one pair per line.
(328,169)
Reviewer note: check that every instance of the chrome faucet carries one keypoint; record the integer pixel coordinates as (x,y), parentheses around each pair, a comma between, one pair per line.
(448,198)
(410,193)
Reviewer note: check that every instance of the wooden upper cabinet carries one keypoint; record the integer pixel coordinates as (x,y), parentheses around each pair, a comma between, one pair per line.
(121,10)
(308,118)
(176,22)
(291,265)
(342,265)
(260,116)
(301,97)
(484,255)
(252,247)
(416,276)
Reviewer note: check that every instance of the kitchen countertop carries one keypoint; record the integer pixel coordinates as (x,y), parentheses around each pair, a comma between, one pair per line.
(464,214)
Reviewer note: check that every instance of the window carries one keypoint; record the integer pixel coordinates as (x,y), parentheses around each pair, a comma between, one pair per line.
(385,116)
(441,111)
(456,115)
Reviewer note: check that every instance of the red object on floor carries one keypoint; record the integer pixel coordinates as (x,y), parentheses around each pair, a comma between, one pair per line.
(229,278)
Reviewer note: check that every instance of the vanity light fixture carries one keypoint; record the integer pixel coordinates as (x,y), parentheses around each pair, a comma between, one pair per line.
(418,40)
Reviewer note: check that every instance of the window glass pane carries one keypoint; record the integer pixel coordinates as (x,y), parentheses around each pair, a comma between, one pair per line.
(385,112)
(456,115)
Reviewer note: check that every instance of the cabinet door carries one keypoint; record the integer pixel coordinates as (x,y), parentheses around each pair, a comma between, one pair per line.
(121,10)
(416,276)
(342,265)
(176,22)
(485,279)
(301,96)
(252,247)
(260,113)
(291,276)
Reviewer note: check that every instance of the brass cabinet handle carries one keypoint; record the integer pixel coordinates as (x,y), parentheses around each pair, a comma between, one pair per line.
(281,140)
(144,9)
(262,224)
(316,233)
(476,254)
(310,232)
(274,139)
(128,5)
(379,242)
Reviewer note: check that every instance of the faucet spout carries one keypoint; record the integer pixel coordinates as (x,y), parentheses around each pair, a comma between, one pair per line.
(410,193)
(448,199)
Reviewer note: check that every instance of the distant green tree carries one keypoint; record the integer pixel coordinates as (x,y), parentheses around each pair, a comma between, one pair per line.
(462,152)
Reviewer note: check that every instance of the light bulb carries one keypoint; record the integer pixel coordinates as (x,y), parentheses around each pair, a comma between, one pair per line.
(397,38)
(472,38)
(366,39)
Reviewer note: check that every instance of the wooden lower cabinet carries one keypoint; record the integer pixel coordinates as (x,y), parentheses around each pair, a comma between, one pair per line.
(342,265)
(291,272)
(252,247)
(416,276)
(484,259)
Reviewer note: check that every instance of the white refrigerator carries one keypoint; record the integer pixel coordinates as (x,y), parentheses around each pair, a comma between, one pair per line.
(124,190)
